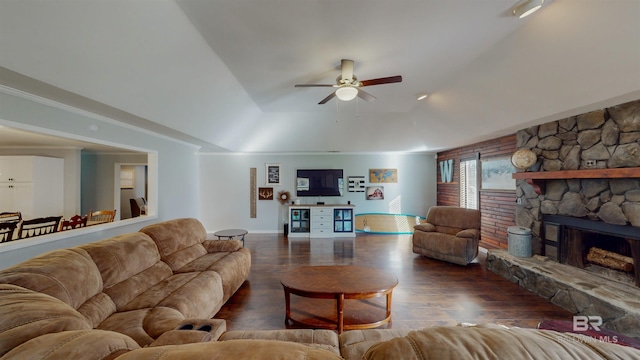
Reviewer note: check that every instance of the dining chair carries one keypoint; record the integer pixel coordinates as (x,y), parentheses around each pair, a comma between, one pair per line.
(75,222)
(10,216)
(101,216)
(138,206)
(7,229)
(39,226)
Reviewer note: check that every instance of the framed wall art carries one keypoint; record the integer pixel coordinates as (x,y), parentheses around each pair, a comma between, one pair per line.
(272,172)
(265,193)
(127,178)
(496,174)
(375,192)
(383,175)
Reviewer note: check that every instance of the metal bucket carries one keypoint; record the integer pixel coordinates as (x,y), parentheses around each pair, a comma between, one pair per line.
(519,241)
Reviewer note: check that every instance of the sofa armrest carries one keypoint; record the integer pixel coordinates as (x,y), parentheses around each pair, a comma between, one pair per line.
(426,227)
(468,233)
(213,246)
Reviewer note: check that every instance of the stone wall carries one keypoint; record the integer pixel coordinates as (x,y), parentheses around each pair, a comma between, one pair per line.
(607,138)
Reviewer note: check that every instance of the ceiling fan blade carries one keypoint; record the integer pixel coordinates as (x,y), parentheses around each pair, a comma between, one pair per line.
(380,81)
(347,70)
(365,96)
(315,85)
(325,100)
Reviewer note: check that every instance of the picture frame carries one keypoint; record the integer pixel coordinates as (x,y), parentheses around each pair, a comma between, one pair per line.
(383,175)
(272,173)
(265,193)
(375,192)
(356,183)
(127,178)
(496,173)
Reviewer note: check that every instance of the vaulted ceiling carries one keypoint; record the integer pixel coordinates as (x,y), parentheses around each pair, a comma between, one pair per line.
(221,73)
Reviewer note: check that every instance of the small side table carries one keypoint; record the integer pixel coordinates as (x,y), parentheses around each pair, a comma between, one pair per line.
(231,233)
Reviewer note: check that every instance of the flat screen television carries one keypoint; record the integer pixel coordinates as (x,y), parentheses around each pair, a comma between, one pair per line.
(318,182)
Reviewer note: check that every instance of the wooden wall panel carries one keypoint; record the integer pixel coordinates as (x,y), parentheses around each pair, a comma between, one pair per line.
(497,207)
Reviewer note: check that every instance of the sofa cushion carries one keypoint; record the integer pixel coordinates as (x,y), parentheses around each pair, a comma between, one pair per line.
(78,344)
(354,343)
(321,339)
(69,275)
(123,256)
(179,241)
(195,294)
(491,343)
(129,265)
(27,314)
(143,325)
(233,268)
(124,292)
(233,349)
(98,308)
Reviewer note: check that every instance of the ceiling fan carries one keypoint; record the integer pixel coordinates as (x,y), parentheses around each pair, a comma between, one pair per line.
(348,86)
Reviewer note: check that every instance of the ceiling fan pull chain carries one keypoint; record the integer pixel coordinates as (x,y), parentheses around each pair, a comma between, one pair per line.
(337,112)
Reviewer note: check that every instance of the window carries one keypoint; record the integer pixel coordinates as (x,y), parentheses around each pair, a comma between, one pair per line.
(469,183)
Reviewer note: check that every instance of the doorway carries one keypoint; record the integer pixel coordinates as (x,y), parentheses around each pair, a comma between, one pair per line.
(132,184)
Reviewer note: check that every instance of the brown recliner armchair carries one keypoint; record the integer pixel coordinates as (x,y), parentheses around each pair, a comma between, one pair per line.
(451,234)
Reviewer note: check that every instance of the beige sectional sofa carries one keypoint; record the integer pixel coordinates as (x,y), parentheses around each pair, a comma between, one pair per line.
(151,295)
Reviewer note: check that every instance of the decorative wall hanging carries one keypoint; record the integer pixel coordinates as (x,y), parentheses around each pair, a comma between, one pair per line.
(252,192)
(127,178)
(383,175)
(446,171)
(356,184)
(272,172)
(265,193)
(283,197)
(375,192)
(496,174)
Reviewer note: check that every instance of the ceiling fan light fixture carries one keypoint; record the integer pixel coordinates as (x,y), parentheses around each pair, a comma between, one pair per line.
(526,8)
(347,93)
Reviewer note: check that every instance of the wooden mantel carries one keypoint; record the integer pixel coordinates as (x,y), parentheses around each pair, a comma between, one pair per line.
(537,179)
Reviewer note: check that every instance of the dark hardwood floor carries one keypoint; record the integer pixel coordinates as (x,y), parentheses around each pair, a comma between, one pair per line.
(429,292)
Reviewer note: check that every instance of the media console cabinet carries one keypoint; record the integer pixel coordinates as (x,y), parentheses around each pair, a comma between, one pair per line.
(321,221)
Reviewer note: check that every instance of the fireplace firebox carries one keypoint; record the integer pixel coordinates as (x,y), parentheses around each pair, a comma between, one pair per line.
(585,243)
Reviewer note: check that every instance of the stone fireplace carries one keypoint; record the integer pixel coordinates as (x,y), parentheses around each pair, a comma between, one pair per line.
(582,202)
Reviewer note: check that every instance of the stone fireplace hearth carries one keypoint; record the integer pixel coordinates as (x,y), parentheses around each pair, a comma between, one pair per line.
(576,290)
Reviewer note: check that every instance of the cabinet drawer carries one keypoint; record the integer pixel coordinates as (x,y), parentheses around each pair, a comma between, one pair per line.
(322,225)
(321,231)
(321,211)
(322,218)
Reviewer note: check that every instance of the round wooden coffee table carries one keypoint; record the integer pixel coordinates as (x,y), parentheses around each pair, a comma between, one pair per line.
(314,285)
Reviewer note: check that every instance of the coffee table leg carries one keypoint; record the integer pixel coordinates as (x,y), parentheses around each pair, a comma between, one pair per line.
(389,307)
(287,304)
(340,304)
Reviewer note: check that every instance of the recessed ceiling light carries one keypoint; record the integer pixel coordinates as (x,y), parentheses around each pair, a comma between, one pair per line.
(422,96)
(527,7)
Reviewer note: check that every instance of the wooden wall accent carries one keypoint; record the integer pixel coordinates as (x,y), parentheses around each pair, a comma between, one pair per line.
(497,207)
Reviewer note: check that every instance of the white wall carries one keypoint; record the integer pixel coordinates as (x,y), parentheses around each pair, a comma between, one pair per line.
(71,172)
(177,186)
(225,186)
